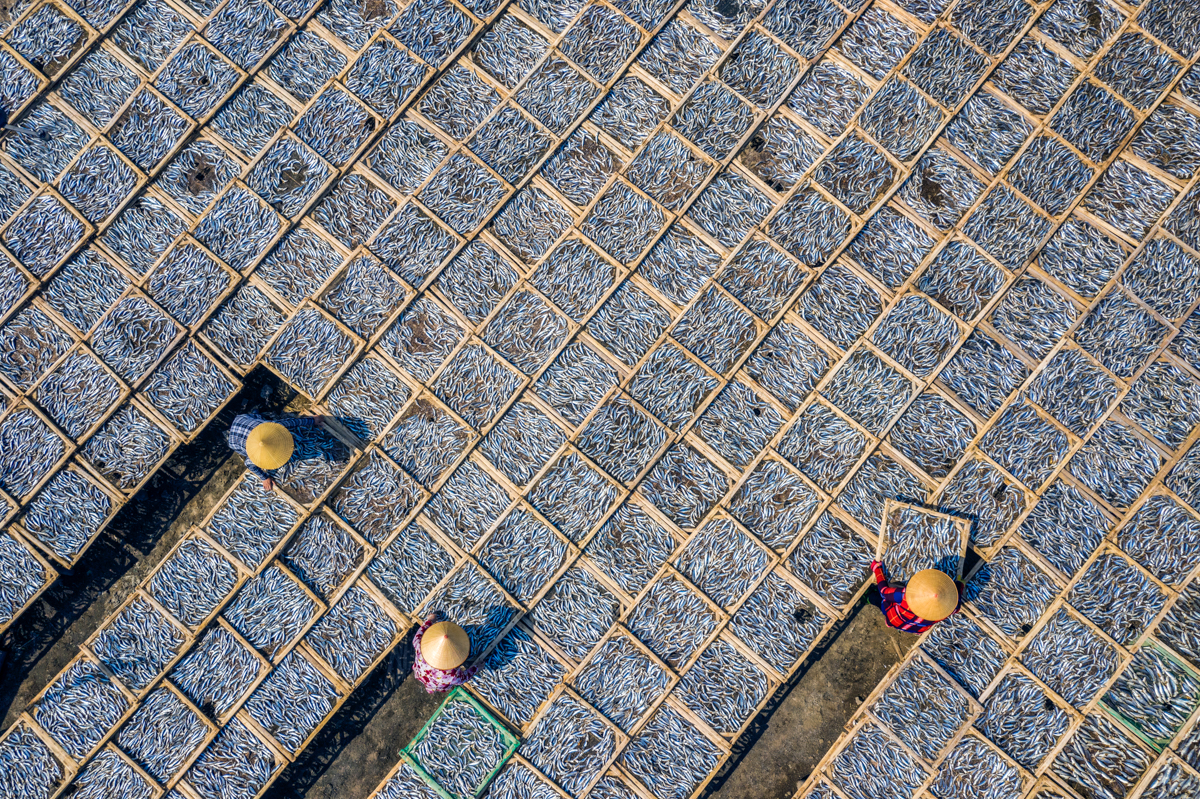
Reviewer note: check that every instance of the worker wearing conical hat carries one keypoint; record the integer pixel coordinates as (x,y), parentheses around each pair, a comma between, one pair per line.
(926,599)
(442,649)
(267,445)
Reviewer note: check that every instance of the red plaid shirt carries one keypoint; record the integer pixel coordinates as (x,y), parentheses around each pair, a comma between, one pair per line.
(895,609)
(437,680)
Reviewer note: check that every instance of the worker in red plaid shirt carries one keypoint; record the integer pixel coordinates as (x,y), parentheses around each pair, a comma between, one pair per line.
(929,597)
(442,648)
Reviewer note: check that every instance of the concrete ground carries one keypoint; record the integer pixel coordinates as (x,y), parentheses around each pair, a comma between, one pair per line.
(357,748)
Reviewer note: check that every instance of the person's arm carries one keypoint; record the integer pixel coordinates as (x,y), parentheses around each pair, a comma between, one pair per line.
(302,422)
(268,481)
(961,588)
(894,594)
(880,575)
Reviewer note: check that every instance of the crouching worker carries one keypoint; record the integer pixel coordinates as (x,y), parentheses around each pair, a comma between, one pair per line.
(268,446)
(442,649)
(929,597)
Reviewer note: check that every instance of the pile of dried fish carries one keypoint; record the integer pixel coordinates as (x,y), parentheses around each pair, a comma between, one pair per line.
(270,610)
(1070,658)
(1155,693)
(353,634)
(137,644)
(30,768)
(460,749)
(576,612)
(110,774)
(1010,591)
(975,769)
(871,763)
(409,567)
(67,513)
(724,687)
(672,620)
(162,734)
(80,707)
(217,672)
(518,676)
(621,681)
(473,602)
(1099,760)
(918,541)
(250,522)
(236,763)
(1021,719)
(323,554)
(779,623)
(292,701)
(406,783)
(922,709)
(128,447)
(193,582)
(966,651)
(670,756)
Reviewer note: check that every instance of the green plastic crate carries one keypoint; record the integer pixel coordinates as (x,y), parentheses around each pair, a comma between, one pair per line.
(510,741)
(1157,744)
(423,777)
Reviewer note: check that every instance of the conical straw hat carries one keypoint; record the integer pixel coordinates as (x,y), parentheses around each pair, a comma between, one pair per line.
(931,594)
(445,645)
(269,445)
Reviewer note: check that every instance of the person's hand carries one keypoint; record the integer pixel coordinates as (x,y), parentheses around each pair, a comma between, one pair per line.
(268,484)
(318,418)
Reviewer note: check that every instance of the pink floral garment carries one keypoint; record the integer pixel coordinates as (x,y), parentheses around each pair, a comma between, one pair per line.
(437,680)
